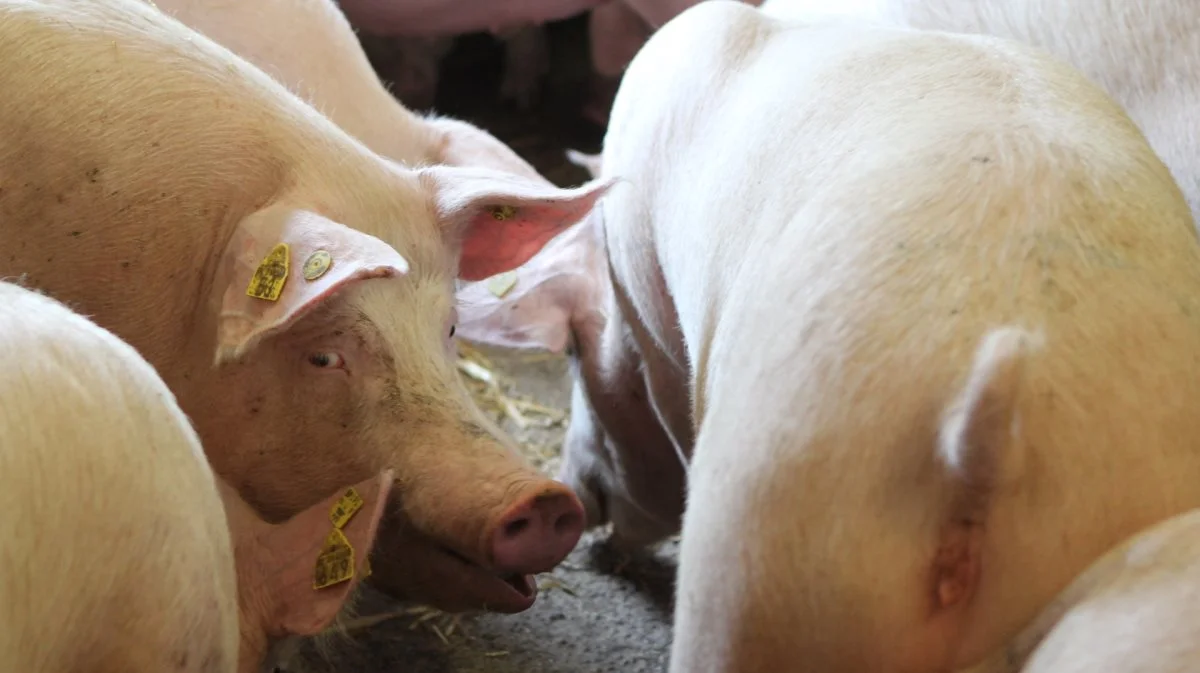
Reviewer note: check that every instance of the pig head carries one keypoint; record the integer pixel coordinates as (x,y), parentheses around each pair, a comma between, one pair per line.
(617,457)
(325,371)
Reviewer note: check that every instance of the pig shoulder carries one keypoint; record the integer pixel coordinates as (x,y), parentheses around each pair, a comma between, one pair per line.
(116,555)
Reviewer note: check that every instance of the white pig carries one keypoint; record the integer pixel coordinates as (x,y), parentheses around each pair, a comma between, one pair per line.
(905,324)
(294,289)
(309,46)
(119,555)
(1135,610)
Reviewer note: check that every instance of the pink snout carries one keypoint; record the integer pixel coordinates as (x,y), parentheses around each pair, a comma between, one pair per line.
(536,534)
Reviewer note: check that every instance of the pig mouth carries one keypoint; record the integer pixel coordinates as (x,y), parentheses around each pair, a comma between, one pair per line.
(511,592)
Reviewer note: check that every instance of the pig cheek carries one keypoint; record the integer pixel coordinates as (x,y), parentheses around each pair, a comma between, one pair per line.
(314,419)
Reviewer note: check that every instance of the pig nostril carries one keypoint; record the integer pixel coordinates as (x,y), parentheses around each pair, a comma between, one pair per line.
(515,528)
(567,523)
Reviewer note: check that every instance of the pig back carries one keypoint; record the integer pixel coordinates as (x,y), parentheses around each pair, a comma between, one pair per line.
(116,555)
(1145,55)
(130,148)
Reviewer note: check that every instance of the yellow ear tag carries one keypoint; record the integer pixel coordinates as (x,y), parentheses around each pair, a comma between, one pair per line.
(317,264)
(335,564)
(344,509)
(502,283)
(503,212)
(270,275)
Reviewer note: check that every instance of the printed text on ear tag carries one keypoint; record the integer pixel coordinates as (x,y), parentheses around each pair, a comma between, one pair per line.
(317,264)
(501,283)
(503,212)
(343,510)
(271,274)
(335,564)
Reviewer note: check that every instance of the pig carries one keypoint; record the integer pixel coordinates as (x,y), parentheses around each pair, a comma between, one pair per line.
(309,46)
(903,329)
(967,245)
(294,289)
(1145,54)
(95,453)
(1133,610)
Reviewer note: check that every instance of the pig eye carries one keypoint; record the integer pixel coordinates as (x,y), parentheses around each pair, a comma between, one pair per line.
(325,360)
(453,329)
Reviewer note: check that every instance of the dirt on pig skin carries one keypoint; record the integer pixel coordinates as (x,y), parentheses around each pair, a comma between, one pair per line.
(595,613)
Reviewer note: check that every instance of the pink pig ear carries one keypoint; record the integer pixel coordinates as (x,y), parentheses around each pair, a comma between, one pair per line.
(536,315)
(281,264)
(535,305)
(502,220)
(305,608)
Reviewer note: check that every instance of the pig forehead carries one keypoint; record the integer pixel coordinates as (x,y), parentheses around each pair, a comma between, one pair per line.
(407,307)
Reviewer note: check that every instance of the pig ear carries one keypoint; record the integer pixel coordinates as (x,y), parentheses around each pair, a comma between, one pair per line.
(502,220)
(282,263)
(535,312)
(978,445)
(534,305)
(591,162)
(303,607)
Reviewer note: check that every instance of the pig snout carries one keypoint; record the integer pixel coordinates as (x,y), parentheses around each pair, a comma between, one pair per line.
(535,534)
(465,559)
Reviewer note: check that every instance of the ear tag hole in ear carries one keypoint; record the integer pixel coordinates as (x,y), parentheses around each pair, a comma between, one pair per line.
(502,283)
(271,274)
(335,564)
(503,213)
(317,264)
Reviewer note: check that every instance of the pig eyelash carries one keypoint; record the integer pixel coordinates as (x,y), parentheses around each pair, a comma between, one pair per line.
(327,360)
(453,329)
